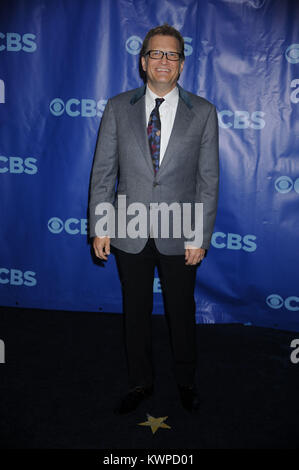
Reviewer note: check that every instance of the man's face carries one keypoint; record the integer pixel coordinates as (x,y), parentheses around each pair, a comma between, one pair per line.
(162,73)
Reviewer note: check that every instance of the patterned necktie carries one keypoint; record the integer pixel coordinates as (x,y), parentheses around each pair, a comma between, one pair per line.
(154,134)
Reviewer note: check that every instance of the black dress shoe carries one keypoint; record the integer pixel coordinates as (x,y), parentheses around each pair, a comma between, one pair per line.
(189,397)
(133,399)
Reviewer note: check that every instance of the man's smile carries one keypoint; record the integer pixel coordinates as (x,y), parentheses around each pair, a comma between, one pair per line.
(163,69)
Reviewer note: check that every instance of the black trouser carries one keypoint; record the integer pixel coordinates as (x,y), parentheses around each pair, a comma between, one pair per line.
(177,282)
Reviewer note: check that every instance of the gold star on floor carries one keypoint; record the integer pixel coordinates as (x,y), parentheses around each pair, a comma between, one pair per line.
(155,423)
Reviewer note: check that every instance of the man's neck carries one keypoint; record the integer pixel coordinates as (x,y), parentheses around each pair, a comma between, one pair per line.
(160,90)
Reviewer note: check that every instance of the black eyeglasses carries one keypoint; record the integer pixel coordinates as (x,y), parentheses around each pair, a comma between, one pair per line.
(160,54)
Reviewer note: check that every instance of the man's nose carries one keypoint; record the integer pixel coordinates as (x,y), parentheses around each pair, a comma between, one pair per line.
(164,60)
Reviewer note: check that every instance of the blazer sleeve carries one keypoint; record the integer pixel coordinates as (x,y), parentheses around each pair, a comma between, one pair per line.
(207,181)
(105,166)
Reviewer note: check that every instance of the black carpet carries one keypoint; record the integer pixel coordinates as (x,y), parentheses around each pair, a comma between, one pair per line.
(65,371)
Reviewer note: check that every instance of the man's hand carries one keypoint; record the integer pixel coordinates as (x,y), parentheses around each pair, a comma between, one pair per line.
(194,255)
(101,246)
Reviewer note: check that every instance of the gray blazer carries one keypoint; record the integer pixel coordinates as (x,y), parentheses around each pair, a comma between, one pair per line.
(188,173)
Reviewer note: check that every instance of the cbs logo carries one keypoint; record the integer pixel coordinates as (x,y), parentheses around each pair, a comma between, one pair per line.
(133,45)
(157,289)
(14,42)
(234,241)
(285,184)
(292,54)
(72,226)
(241,119)
(74,107)
(276,302)
(17,165)
(16,277)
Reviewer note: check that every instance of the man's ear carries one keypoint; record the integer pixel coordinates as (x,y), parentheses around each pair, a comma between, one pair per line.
(182,66)
(143,63)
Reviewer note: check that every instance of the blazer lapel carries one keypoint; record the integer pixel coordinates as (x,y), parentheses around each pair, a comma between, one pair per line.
(137,119)
(180,126)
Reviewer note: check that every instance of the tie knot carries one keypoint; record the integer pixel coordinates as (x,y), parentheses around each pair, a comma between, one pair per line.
(159,101)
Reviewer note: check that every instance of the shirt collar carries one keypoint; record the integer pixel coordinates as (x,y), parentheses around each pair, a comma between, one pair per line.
(170,98)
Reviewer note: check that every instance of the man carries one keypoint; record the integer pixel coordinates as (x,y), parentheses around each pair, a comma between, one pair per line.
(160,143)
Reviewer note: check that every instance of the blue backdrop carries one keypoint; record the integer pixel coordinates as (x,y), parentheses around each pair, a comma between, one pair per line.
(60,61)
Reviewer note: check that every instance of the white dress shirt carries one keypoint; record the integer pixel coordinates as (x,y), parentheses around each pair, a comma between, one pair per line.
(167,112)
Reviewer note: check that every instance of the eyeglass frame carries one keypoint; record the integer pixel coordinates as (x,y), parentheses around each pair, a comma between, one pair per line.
(164,54)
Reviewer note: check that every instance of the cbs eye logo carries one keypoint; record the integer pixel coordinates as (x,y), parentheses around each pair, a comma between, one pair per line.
(133,45)
(55,225)
(292,53)
(285,184)
(274,301)
(57,107)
